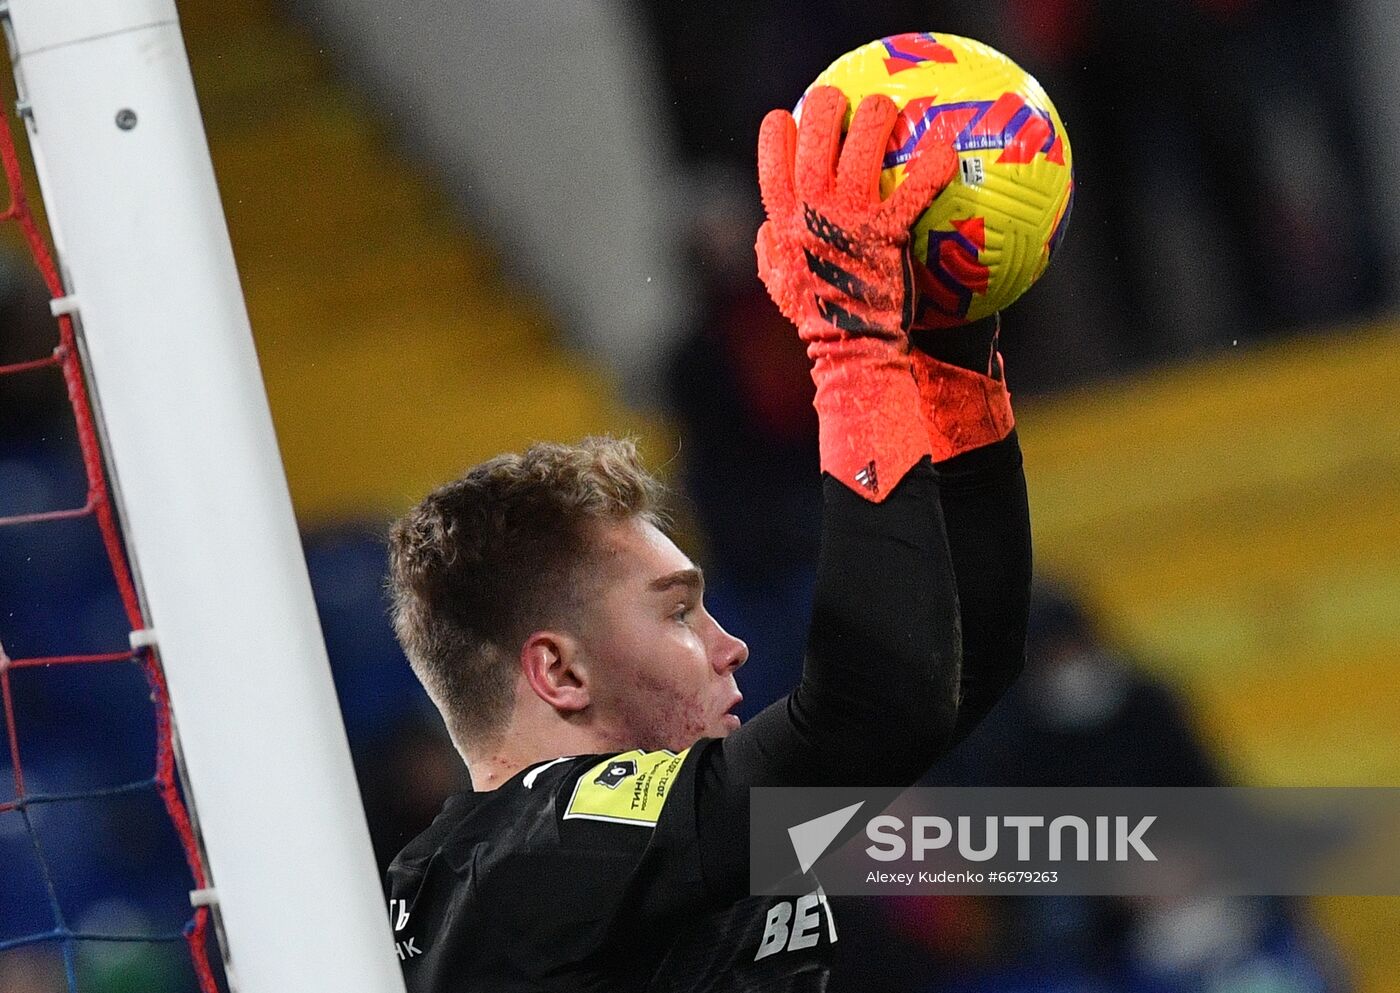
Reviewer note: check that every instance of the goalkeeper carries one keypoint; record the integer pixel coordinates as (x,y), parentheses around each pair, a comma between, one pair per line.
(566,642)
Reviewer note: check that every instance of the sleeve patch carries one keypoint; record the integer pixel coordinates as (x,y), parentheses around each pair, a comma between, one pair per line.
(629,788)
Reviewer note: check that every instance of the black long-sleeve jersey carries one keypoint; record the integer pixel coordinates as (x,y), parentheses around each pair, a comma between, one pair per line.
(630,871)
(587,874)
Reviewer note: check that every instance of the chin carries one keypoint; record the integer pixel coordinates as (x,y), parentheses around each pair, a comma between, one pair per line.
(727,723)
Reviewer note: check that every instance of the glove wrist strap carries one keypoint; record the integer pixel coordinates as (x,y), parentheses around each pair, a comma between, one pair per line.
(960,409)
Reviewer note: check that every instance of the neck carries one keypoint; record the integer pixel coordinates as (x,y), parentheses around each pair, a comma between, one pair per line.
(489,769)
(493,763)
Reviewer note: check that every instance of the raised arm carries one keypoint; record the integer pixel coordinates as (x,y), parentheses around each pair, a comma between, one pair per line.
(966,410)
(880,680)
(924,501)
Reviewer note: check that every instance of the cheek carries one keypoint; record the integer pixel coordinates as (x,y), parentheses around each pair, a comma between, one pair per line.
(666,705)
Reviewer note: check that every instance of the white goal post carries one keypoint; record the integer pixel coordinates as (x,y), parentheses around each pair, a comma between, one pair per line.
(129,190)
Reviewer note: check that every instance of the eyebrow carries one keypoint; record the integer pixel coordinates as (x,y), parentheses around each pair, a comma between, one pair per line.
(691,578)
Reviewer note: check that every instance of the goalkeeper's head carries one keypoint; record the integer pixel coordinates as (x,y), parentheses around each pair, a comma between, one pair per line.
(546,612)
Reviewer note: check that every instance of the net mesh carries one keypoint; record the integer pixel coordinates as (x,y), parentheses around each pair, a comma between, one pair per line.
(162,781)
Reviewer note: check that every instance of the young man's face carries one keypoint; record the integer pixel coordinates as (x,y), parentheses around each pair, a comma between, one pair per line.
(661,668)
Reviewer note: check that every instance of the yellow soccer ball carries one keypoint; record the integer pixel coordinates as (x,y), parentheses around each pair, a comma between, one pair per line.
(990,235)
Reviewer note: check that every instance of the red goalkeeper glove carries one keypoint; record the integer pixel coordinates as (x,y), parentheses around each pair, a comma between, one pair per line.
(836,260)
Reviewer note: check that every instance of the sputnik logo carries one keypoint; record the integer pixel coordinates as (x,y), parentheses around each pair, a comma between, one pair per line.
(811,839)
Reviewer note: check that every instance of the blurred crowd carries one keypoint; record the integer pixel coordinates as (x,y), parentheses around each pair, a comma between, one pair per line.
(1222,195)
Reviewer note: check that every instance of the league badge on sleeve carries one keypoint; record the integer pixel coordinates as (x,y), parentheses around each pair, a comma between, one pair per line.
(630,788)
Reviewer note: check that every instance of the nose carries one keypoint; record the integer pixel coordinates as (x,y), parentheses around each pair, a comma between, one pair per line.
(729,652)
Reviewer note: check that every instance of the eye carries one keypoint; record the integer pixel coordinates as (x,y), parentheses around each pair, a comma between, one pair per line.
(681,613)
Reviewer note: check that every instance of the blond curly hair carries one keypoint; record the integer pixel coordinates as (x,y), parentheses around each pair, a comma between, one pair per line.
(505,550)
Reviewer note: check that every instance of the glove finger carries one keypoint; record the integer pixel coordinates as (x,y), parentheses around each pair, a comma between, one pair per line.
(863,154)
(930,170)
(777,140)
(818,141)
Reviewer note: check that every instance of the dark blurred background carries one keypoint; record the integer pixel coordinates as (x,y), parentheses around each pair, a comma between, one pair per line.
(462,228)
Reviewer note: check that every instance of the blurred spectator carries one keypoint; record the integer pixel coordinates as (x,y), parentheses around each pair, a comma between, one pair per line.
(1082,714)
(1211,137)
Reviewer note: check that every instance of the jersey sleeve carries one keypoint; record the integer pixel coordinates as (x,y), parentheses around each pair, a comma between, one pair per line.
(878,700)
(642,802)
(630,788)
(666,918)
(571,875)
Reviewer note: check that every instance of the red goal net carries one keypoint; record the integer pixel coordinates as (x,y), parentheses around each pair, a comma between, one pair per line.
(54,901)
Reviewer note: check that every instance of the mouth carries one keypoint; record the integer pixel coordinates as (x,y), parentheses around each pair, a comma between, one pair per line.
(731,719)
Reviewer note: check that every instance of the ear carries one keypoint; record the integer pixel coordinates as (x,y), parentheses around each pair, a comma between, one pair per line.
(551,662)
